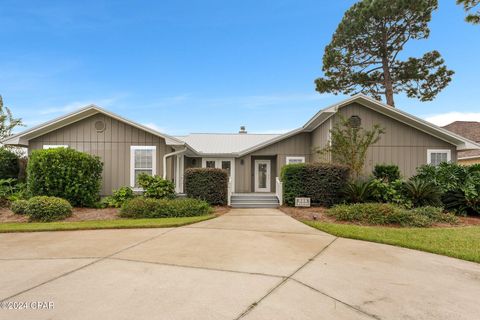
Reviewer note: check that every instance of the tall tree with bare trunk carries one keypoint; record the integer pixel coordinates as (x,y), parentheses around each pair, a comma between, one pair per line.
(364,54)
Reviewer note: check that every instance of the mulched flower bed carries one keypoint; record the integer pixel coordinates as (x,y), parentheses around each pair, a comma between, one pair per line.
(84,214)
(318,214)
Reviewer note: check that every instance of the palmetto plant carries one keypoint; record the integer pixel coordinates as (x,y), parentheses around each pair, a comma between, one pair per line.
(422,193)
(359,191)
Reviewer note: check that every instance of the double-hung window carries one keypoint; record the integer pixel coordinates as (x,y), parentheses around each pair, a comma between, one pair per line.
(437,156)
(143,159)
(291,160)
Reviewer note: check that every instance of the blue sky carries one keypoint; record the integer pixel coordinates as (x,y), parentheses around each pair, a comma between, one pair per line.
(202,66)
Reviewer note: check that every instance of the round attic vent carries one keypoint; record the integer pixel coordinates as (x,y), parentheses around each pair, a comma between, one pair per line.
(100,126)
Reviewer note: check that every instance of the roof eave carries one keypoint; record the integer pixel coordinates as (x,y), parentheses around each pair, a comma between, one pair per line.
(22,138)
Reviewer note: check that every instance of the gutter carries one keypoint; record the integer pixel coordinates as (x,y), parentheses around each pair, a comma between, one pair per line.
(165,160)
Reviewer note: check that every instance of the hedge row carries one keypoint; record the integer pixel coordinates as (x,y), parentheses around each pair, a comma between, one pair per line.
(323,183)
(207,184)
(163,208)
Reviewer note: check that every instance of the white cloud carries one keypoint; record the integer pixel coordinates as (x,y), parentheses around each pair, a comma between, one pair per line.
(154,127)
(442,119)
(69,107)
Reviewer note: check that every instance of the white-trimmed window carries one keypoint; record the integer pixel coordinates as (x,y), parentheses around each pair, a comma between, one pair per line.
(437,156)
(291,160)
(53,146)
(143,159)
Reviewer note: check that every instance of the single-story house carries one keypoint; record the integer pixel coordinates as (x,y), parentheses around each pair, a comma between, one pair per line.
(469,130)
(253,161)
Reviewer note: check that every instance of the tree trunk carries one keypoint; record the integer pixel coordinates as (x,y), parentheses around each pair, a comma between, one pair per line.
(388,83)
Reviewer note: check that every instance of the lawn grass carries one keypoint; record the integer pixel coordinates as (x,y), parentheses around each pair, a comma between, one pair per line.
(101,224)
(458,242)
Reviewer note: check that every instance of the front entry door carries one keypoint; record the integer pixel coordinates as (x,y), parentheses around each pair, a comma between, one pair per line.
(262,176)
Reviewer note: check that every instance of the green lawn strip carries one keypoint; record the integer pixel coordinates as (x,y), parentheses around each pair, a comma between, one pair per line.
(101,224)
(460,242)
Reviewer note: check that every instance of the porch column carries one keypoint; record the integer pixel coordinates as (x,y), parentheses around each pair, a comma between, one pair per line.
(179,168)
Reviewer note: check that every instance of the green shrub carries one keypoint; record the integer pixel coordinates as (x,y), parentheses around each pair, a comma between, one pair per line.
(207,184)
(8,189)
(43,208)
(435,214)
(19,206)
(359,191)
(389,192)
(422,193)
(118,198)
(65,173)
(389,214)
(323,183)
(156,187)
(162,208)
(460,185)
(9,164)
(386,172)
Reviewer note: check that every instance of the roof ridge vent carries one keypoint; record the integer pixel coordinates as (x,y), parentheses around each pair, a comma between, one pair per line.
(243,130)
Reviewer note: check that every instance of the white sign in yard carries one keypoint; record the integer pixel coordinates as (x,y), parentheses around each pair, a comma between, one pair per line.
(302,202)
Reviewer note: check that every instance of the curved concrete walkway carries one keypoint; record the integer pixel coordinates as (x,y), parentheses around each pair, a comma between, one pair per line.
(248,264)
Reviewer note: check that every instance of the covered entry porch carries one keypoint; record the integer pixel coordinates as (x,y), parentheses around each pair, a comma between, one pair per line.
(252,180)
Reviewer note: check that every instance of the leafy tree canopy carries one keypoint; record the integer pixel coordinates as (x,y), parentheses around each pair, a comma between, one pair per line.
(363,55)
(7,121)
(350,142)
(468,5)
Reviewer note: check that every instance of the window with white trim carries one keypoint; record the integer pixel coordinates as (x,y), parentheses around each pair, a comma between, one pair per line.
(53,146)
(437,156)
(143,159)
(291,160)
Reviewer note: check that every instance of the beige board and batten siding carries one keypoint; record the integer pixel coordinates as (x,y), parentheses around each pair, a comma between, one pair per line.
(401,144)
(112,146)
(297,145)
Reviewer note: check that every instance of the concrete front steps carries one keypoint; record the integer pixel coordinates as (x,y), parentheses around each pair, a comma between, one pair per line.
(254,200)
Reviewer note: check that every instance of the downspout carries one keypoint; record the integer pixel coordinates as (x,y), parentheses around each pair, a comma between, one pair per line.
(165,160)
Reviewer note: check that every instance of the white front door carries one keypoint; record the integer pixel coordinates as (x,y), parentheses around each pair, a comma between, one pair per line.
(262,175)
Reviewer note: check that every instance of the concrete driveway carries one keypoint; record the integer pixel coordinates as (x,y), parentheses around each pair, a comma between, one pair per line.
(249,264)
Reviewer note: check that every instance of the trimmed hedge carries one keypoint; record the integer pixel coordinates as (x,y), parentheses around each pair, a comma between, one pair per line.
(47,209)
(207,184)
(323,183)
(390,214)
(65,173)
(9,164)
(164,208)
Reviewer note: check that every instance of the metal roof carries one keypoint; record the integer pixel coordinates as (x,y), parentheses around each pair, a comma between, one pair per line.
(224,143)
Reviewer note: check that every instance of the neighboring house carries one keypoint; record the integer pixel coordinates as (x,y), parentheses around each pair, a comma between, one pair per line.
(253,161)
(471,131)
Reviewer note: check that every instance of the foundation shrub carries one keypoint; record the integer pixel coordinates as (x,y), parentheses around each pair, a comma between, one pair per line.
(65,173)
(208,184)
(323,183)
